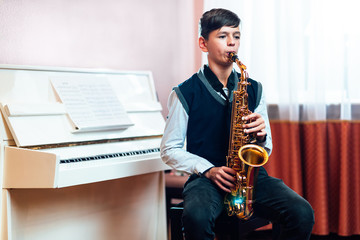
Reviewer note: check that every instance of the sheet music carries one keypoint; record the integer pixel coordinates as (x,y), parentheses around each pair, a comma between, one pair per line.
(91,104)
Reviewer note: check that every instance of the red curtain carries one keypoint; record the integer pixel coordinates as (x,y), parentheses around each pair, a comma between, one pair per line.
(321,162)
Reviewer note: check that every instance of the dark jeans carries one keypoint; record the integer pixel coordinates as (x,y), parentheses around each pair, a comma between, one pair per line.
(203,204)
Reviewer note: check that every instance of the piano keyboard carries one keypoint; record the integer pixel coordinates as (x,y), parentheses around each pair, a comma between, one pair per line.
(111,156)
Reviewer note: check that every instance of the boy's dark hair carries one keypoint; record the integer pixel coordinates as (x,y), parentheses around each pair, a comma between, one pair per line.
(217,18)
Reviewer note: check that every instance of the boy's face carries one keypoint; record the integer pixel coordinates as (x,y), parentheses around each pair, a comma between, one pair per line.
(220,43)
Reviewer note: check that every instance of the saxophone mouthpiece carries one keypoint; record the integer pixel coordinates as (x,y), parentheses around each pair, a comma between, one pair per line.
(233,56)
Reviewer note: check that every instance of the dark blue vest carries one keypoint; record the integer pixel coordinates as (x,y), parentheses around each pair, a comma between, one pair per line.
(209,116)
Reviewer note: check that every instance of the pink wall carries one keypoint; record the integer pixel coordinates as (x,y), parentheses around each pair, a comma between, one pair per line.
(156,35)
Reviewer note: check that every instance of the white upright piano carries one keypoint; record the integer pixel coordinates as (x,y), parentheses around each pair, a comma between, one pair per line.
(62,179)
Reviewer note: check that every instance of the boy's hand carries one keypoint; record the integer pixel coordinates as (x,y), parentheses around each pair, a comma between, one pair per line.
(256,126)
(223,177)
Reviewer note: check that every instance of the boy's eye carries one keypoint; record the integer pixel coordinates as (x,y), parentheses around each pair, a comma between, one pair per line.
(222,36)
(237,37)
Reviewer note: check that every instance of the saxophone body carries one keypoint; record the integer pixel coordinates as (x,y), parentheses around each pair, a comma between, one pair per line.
(244,156)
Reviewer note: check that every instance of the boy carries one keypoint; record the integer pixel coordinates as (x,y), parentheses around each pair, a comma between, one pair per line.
(200,112)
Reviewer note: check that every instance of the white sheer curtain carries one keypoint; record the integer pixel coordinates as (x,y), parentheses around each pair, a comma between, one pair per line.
(305,52)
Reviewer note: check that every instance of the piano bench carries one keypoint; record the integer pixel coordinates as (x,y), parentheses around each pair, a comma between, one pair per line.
(226,228)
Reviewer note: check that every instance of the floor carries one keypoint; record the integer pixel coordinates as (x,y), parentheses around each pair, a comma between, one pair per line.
(266,235)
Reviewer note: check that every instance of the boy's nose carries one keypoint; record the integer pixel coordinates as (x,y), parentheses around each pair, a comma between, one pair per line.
(231,41)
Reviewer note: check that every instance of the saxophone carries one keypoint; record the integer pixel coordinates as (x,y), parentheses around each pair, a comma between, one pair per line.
(243,155)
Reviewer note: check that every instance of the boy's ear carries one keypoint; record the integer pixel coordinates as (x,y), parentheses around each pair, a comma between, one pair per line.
(203,44)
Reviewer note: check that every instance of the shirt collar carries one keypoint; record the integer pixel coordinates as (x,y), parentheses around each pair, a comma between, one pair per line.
(214,81)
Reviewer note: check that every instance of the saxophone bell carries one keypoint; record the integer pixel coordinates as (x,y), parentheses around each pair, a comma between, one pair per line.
(253,155)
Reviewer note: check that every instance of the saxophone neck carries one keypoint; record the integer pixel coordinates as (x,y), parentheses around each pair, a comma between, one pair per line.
(234,58)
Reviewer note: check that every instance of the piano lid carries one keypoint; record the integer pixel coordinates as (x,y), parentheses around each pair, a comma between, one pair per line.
(36,116)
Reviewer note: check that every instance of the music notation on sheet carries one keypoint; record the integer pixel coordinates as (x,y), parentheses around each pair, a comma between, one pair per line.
(91,104)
